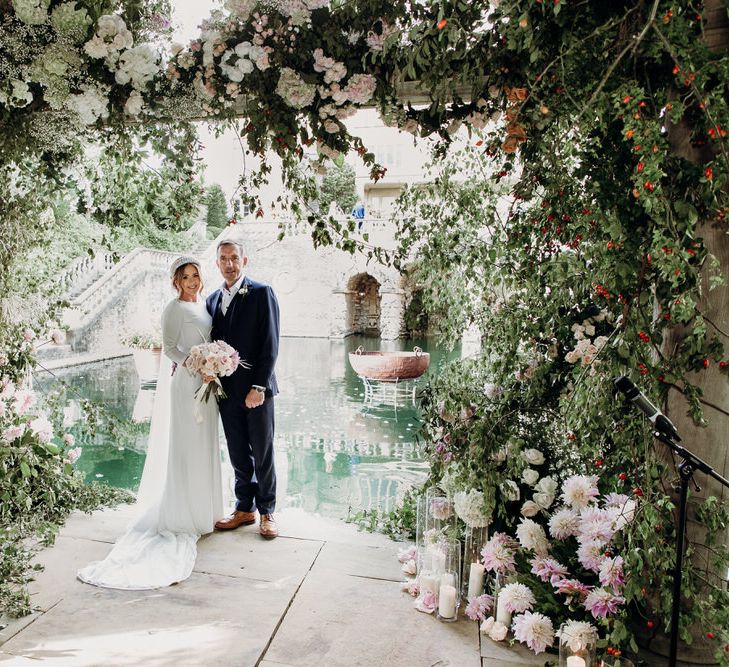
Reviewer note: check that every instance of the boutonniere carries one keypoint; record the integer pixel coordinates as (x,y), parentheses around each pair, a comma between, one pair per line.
(243,290)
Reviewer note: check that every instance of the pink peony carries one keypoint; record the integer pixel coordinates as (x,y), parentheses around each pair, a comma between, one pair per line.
(494,629)
(23,401)
(13,432)
(548,569)
(410,587)
(602,602)
(535,630)
(404,555)
(73,454)
(427,603)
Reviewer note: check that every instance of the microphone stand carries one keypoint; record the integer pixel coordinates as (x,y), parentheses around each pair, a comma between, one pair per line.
(690,463)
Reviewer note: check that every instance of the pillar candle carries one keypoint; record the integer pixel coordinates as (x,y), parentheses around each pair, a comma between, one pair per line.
(502,614)
(439,559)
(429,582)
(448,579)
(475,580)
(447,601)
(576,661)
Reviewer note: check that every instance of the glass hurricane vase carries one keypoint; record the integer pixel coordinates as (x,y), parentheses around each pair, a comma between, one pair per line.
(473,574)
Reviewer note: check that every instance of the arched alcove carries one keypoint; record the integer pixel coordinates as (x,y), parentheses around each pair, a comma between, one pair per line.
(363,305)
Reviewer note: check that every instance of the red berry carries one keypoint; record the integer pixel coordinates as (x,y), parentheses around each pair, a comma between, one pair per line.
(598,462)
(722,365)
(710,635)
(638,492)
(709,174)
(622,477)
(650,625)
(441,24)
(706,363)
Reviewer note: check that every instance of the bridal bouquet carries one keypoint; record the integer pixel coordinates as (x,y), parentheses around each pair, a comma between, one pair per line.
(215,359)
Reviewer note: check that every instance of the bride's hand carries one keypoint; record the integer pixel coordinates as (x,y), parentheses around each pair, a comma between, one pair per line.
(207,379)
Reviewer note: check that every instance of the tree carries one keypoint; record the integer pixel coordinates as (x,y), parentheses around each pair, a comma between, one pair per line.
(338,186)
(217,210)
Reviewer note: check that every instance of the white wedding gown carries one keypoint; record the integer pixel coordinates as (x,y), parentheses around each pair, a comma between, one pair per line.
(180,495)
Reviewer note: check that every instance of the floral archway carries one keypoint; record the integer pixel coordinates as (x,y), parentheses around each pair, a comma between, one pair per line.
(582,231)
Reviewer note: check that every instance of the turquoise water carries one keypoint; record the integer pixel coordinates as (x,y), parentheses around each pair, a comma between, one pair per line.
(335,454)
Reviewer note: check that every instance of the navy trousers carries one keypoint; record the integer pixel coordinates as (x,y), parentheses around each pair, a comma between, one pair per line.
(249,433)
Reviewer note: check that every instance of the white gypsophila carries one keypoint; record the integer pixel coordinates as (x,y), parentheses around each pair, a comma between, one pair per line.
(294,90)
(531,536)
(240,8)
(578,635)
(533,457)
(90,105)
(469,507)
(530,508)
(134,104)
(510,489)
(564,523)
(137,65)
(529,476)
(16,94)
(33,12)
(70,22)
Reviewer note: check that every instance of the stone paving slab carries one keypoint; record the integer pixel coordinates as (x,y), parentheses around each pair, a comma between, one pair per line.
(500,654)
(321,594)
(209,619)
(340,620)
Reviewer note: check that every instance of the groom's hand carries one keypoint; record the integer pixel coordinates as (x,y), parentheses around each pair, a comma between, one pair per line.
(254,398)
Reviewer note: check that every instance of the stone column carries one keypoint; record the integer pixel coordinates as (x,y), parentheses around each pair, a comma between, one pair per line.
(392,309)
(339,326)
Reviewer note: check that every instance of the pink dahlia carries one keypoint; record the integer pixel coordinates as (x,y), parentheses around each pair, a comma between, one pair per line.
(611,573)
(572,588)
(535,630)
(548,569)
(602,602)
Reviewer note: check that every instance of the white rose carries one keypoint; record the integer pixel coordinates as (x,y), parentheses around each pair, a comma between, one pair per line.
(134,104)
(529,476)
(96,48)
(547,485)
(530,508)
(544,500)
(533,457)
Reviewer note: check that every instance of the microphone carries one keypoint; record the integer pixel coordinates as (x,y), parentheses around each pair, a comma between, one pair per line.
(661,423)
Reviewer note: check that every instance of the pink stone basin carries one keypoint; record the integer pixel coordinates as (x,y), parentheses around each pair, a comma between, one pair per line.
(389,366)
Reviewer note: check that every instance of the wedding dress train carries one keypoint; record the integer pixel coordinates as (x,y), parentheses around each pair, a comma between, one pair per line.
(180,495)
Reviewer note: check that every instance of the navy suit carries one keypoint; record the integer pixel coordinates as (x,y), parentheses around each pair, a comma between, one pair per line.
(251,326)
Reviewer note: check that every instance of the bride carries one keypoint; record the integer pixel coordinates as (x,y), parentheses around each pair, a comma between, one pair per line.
(180,495)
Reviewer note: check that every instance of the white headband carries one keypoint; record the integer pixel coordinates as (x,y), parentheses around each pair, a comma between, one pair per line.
(181,261)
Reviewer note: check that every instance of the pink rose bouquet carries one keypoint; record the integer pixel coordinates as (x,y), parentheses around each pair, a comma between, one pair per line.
(215,359)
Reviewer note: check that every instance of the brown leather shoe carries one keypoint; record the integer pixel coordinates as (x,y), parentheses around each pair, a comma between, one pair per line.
(235,520)
(268,528)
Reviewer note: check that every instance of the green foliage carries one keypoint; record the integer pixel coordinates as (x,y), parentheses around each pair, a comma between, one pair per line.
(217,210)
(338,186)
(399,524)
(38,485)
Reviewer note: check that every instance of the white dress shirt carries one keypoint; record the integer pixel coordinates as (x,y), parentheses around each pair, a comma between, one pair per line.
(228,294)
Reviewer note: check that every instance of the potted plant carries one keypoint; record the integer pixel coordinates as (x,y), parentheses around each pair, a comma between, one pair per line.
(146,348)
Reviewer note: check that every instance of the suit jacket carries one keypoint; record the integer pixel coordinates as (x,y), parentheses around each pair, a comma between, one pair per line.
(251,326)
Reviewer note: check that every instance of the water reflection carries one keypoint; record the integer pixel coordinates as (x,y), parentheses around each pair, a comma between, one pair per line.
(338,453)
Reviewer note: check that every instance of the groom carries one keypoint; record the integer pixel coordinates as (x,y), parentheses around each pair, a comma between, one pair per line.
(245,315)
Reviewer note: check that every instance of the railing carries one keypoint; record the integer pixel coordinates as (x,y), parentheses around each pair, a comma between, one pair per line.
(95,298)
(83,272)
